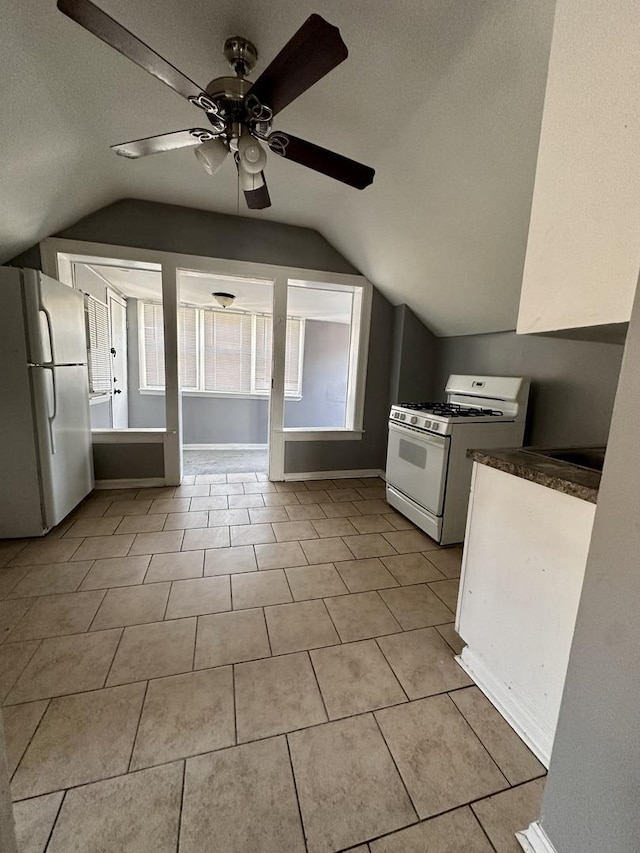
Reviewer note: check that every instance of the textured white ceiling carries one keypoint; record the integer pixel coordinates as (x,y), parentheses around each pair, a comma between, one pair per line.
(442,97)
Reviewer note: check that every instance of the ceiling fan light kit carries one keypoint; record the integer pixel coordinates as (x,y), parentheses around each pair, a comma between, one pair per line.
(240,112)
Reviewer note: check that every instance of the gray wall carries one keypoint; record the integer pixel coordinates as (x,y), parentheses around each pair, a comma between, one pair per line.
(573,382)
(370,452)
(100,414)
(128,461)
(591,798)
(413,363)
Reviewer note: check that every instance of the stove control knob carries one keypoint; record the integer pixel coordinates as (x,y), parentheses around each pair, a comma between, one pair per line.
(414,420)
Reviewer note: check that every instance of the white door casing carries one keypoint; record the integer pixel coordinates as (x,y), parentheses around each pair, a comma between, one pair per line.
(119,383)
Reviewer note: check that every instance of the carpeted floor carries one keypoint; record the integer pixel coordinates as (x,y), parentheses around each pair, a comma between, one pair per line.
(224,461)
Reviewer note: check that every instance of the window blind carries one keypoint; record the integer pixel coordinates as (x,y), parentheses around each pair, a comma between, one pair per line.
(153,345)
(98,345)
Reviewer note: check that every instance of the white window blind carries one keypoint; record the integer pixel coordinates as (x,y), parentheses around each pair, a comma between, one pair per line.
(188,348)
(98,345)
(153,345)
(227,352)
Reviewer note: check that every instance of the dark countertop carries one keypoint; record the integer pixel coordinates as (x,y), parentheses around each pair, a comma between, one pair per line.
(553,473)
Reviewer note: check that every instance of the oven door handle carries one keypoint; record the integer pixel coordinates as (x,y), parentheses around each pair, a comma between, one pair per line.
(419,434)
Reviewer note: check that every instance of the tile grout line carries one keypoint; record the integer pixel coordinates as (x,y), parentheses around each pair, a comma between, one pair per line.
(393,759)
(482,829)
(182,787)
(295,789)
(55,821)
(389,664)
(30,741)
(135,736)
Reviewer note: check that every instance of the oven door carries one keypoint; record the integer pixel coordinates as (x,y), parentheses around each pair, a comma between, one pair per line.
(417,465)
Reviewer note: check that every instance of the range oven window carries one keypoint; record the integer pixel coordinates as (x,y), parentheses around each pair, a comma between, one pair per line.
(413,453)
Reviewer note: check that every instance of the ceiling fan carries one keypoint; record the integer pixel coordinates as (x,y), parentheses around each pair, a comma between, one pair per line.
(240,112)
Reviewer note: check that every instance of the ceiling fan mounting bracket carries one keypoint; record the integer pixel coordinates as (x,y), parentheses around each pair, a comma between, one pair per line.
(241,54)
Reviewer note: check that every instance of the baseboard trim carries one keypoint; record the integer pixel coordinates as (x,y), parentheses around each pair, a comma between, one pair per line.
(535,840)
(225,446)
(142,483)
(335,475)
(512,707)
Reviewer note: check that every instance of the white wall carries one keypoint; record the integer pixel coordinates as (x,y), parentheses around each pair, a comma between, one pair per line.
(583,248)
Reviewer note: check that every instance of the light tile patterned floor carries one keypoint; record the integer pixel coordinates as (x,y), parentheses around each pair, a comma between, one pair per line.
(248,667)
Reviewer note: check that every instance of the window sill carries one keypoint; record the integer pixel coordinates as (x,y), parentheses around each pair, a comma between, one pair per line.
(321,434)
(156,392)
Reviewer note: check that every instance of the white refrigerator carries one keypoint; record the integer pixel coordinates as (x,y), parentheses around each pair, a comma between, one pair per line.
(46,465)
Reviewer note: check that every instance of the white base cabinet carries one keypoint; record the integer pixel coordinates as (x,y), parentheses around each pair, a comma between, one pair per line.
(523,564)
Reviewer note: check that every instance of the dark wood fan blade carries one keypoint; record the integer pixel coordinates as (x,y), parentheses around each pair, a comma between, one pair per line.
(321,159)
(110,31)
(258,198)
(314,50)
(164,142)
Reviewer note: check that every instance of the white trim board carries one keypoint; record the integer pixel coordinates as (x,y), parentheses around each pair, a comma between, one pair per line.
(512,707)
(225,446)
(534,839)
(335,475)
(143,483)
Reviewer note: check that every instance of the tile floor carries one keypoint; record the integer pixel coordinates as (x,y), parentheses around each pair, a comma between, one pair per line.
(236,665)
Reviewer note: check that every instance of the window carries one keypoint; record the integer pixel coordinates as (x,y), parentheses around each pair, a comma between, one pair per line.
(220,351)
(98,346)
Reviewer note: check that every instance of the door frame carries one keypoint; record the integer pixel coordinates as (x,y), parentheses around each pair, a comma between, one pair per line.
(114,296)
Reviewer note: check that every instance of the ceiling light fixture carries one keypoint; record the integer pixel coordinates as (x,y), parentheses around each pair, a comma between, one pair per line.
(252,154)
(211,155)
(224,299)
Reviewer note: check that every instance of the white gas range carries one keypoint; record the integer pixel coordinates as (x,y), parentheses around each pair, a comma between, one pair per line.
(428,474)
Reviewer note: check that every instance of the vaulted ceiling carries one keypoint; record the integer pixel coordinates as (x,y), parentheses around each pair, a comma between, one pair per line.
(442,97)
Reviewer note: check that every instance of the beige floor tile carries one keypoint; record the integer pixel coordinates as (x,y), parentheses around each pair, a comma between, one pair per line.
(13,659)
(319,485)
(215,502)
(185,715)
(326,550)
(368,545)
(361,616)
(399,522)
(154,650)
(175,566)
(138,813)
(354,678)
(170,505)
(455,832)
(191,491)
(158,543)
(280,499)
(231,638)
(299,626)
(258,589)
(155,493)
(276,695)
(9,549)
(416,606)
(412,568)
(340,495)
(55,615)
(141,523)
(251,534)
(132,507)
(408,541)
(376,507)
(100,547)
(511,755)
(423,662)
(209,537)
(211,478)
(9,577)
(116,571)
(20,723)
(442,762)
(11,612)
(372,493)
(314,497)
(348,787)
(447,591)
(93,527)
(186,520)
(288,487)
(304,512)
(246,796)
(512,811)
(81,738)
(49,551)
(447,560)
(226,489)
(227,517)
(245,501)
(51,579)
(266,514)
(34,820)
(372,524)
(132,605)
(448,633)
(64,665)
(258,488)
(314,581)
(290,531)
(198,597)
(363,575)
(243,477)
(347,483)
(226,561)
(282,555)
(339,510)
(327,527)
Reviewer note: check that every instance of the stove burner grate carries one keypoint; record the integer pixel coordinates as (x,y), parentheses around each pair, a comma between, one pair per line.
(451,410)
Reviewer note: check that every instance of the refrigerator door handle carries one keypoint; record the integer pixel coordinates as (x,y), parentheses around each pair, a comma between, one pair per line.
(48,349)
(51,415)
